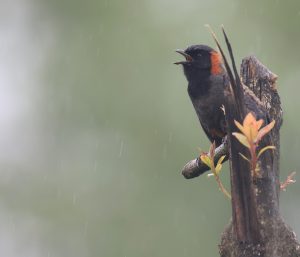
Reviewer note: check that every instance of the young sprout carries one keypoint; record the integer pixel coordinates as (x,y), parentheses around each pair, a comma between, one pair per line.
(251,134)
(289,180)
(208,159)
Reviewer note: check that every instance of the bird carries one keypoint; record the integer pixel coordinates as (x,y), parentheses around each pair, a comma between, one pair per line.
(207,76)
(204,70)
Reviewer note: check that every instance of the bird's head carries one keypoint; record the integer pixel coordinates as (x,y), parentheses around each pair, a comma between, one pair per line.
(199,60)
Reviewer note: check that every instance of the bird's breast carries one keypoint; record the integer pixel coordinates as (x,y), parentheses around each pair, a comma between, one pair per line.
(208,105)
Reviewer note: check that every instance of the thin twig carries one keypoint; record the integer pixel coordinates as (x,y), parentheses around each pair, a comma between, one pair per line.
(289,180)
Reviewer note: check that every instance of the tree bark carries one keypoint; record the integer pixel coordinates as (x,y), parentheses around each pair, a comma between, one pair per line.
(257,228)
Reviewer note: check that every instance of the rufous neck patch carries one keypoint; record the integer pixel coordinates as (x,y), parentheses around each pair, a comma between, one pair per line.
(216,63)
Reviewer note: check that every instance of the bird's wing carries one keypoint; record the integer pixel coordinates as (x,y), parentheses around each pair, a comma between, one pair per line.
(214,135)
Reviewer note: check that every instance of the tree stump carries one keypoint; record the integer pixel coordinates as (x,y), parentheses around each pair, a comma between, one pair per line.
(257,228)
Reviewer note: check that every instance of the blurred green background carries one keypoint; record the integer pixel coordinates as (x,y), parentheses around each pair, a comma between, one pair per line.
(96,123)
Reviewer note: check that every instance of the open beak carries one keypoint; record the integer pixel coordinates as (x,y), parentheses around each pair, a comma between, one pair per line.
(188,58)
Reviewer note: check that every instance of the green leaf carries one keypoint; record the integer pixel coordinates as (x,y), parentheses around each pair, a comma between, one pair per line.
(242,139)
(205,159)
(221,159)
(218,168)
(271,147)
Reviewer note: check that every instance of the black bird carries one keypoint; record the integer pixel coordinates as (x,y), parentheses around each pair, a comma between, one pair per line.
(204,70)
(207,76)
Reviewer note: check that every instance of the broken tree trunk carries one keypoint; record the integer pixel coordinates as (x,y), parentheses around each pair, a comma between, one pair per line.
(257,228)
